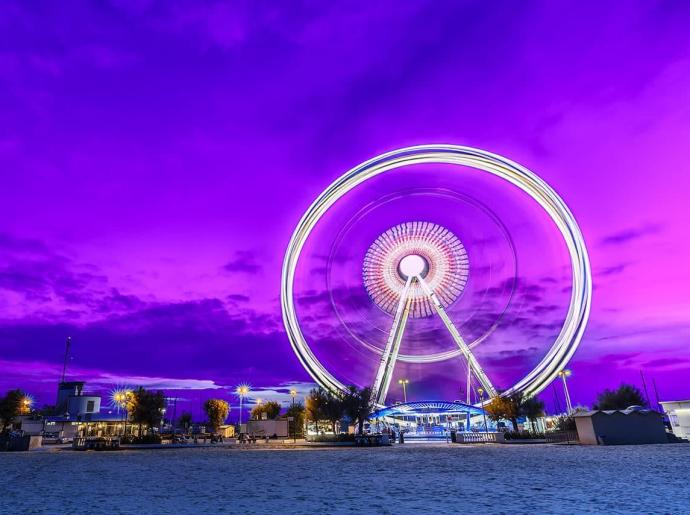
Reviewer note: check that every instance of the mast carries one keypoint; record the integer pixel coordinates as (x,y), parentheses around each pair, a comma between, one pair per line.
(656,393)
(68,344)
(644,385)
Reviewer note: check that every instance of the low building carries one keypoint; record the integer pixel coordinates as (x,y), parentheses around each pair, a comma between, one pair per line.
(270,428)
(679,416)
(620,427)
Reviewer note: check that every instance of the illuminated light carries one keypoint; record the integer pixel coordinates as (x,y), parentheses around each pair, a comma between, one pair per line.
(410,250)
(243,389)
(576,318)
(120,396)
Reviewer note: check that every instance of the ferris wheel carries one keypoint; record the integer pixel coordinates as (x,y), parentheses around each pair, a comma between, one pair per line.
(411,260)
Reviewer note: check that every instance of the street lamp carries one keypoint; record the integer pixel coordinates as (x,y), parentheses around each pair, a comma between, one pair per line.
(564,374)
(404,383)
(26,405)
(480,391)
(293,394)
(242,391)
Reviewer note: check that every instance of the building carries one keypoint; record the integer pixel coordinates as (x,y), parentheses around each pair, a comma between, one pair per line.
(73,402)
(620,427)
(679,416)
(76,414)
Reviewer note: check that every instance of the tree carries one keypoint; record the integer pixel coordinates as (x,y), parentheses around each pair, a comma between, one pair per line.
(256,412)
(315,404)
(497,409)
(186,420)
(625,396)
(296,411)
(272,409)
(506,408)
(146,407)
(533,409)
(217,411)
(10,407)
(333,409)
(358,403)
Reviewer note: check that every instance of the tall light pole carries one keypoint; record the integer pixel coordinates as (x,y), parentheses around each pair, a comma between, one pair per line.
(293,394)
(242,391)
(404,383)
(480,391)
(564,374)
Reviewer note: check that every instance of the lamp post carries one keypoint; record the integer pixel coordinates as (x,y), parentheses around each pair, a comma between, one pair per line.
(564,374)
(480,391)
(293,394)
(404,383)
(242,391)
(118,397)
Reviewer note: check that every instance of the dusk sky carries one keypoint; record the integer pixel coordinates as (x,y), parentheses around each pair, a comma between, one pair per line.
(155,158)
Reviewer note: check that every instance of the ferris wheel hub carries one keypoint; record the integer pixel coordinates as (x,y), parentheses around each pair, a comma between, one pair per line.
(413,265)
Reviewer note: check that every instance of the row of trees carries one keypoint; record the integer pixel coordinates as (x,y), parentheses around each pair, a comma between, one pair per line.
(146,408)
(516,405)
(356,404)
(270,409)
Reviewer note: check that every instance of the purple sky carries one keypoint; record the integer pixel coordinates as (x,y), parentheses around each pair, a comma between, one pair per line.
(155,158)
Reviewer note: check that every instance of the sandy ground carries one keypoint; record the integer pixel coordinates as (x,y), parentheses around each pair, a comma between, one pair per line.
(403,479)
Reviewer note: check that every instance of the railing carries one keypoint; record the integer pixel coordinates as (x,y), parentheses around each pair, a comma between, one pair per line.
(98,443)
(562,436)
(372,440)
(479,437)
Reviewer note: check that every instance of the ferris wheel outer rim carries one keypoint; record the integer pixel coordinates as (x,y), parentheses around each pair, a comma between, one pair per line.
(578,312)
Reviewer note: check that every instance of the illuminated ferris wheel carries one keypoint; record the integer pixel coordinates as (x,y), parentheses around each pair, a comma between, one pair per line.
(412,260)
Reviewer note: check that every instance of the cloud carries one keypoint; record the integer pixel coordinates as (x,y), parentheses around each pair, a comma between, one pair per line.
(44,284)
(244,262)
(48,373)
(281,392)
(631,234)
(612,270)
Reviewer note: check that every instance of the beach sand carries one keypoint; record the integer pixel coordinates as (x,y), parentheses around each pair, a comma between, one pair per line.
(403,479)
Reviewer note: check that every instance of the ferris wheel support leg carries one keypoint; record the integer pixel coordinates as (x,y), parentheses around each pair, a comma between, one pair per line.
(472,362)
(390,353)
(469,398)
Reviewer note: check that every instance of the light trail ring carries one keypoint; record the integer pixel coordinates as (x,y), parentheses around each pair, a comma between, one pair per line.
(581,295)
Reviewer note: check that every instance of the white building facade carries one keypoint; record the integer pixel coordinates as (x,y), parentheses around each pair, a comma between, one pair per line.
(679,415)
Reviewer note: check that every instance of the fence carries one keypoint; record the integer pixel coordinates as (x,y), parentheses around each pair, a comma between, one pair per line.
(479,437)
(562,436)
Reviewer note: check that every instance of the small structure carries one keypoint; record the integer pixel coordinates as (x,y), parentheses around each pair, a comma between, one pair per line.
(620,427)
(430,420)
(270,428)
(226,431)
(679,416)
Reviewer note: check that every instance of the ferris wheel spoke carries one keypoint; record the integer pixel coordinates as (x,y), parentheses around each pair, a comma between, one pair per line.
(472,362)
(390,353)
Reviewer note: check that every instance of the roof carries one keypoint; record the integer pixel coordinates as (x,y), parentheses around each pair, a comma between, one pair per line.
(614,411)
(426,407)
(88,417)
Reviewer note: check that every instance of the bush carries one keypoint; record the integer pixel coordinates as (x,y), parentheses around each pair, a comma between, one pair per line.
(523,435)
(332,438)
(141,440)
(566,423)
